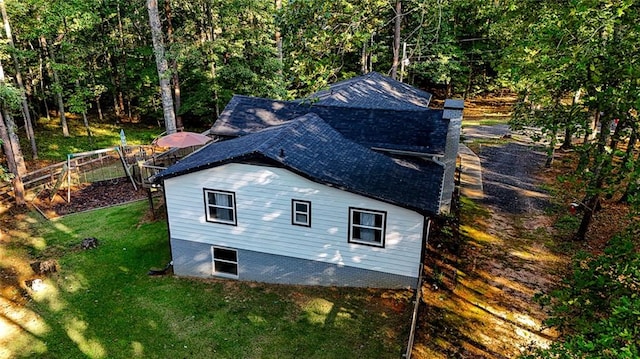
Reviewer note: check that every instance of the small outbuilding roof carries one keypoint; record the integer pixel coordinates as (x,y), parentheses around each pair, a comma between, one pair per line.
(308,146)
(423,131)
(372,91)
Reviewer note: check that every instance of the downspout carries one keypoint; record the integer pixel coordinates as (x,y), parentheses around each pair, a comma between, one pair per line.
(418,298)
(166,208)
(425,239)
(68,178)
(442,183)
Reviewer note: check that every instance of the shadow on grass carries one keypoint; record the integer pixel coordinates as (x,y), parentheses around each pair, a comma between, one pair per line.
(102,304)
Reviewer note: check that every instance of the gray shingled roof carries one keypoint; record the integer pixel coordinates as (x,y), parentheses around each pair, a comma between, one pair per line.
(422,131)
(372,91)
(311,148)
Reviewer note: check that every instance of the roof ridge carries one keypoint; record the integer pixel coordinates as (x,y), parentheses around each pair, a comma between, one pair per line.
(280,131)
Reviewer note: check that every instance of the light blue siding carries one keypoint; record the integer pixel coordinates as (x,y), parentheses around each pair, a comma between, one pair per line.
(263,197)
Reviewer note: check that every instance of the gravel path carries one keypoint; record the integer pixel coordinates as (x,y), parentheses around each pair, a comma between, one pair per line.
(509,171)
(509,175)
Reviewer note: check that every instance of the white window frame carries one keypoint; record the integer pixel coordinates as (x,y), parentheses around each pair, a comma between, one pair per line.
(295,212)
(381,229)
(222,260)
(208,206)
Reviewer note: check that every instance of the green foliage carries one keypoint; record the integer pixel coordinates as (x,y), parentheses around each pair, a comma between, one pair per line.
(223,48)
(5,175)
(450,44)
(10,97)
(324,40)
(582,53)
(598,307)
(77,102)
(567,225)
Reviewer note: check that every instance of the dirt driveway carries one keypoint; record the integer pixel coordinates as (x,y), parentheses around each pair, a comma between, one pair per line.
(479,291)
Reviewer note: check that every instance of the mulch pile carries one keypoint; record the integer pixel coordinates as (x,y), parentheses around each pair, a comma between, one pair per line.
(87,196)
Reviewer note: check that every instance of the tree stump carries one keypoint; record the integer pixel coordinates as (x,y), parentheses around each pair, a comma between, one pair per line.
(89,243)
(45,267)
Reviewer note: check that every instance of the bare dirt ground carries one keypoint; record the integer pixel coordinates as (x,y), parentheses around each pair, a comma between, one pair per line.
(86,197)
(478,296)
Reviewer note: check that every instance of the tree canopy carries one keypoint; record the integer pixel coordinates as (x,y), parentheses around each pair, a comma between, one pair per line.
(573,63)
(100,51)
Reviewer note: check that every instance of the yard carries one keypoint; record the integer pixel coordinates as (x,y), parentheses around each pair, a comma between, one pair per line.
(101,303)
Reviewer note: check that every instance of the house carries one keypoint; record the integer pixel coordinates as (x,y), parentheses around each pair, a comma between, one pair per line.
(313,192)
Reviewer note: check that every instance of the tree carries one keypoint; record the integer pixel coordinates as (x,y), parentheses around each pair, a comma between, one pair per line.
(175,78)
(161,64)
(588,47)
(323,40)
(16,180)
(397,28)
(10,99)
(449,44)
(18,75)
(597,306)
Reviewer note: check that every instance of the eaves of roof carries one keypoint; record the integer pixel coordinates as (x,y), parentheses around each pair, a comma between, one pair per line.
(311,148)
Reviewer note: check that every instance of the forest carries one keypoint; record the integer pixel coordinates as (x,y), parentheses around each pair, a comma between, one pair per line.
(573,64)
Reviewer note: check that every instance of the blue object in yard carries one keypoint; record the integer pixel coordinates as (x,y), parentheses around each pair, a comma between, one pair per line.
(123,138)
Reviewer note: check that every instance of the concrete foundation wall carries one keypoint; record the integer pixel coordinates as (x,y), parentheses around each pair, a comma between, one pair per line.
(194,259)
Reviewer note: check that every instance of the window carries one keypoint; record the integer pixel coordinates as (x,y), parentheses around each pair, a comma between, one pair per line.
(225,262)
(301,213)
(220,206)
(367,227)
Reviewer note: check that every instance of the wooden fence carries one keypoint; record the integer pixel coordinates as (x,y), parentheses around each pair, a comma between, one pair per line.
(45,177)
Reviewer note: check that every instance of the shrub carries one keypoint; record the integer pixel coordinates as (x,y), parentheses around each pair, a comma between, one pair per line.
(597,309)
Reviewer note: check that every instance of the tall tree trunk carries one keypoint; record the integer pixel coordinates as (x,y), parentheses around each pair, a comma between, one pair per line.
(278,37)
(18,186)
(49,55)
(211,36)
(14,143)
(119,97)
(97,95)
(627,163)
(551,149)
(120,65)
(25,105)
(396,40)
(41,66)
(567,143)
(363,59)
(161,64)
(632,184)
(30,91)
(600,171)
(84,117)
(14,140)
(99,108)
(175,78)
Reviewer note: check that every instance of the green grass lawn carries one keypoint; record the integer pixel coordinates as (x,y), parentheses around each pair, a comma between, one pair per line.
(53,146)
(102,303)
(503,120)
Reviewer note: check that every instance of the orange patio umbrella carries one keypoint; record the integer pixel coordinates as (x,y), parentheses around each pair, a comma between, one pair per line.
(182,139)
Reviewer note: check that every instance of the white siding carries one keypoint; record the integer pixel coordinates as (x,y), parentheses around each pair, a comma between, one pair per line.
(263,197)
